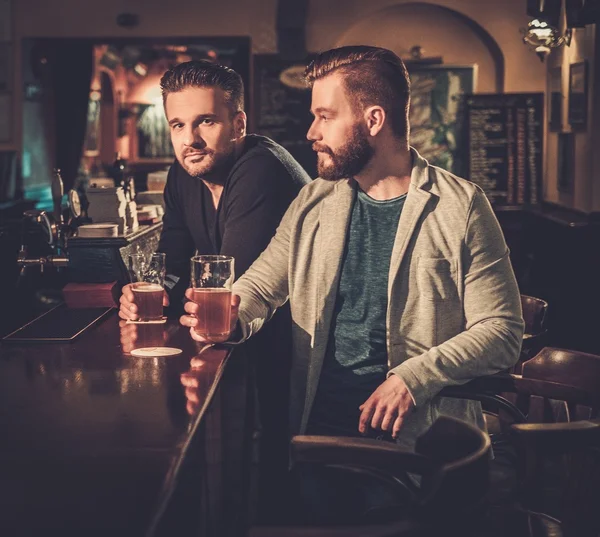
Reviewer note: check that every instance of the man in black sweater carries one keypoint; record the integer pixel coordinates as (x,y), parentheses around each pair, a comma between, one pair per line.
(225,194)
(226,190)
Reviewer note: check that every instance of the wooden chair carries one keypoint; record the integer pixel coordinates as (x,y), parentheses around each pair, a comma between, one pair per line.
(575,446)
(572,377)
(534,314)
(452,460)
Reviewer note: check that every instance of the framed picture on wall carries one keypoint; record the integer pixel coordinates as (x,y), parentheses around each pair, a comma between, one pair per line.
(436,113)
(578,95)
(566,162)
(555,98)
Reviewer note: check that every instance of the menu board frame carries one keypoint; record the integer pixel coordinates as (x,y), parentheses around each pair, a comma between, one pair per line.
(505,134)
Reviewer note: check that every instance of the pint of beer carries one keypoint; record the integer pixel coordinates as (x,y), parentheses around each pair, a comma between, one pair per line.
(148,298)
(211,278)
(147,273)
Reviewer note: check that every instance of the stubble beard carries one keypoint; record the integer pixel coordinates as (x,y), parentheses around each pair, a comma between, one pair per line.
(215,166)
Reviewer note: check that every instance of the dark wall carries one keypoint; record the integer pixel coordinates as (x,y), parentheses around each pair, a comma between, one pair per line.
(556,257)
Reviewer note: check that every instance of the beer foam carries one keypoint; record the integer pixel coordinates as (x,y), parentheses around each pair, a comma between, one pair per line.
(147,288)
(211,290)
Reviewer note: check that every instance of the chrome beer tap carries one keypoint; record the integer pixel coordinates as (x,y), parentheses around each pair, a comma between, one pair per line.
(53,228)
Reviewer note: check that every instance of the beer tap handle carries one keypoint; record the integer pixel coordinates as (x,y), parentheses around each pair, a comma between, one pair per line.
(58,191)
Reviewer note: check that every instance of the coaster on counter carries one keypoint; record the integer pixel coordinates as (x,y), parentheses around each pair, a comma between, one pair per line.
(158,321)
(153,352)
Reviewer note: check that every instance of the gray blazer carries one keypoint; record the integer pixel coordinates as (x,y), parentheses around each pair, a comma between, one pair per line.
(454,310)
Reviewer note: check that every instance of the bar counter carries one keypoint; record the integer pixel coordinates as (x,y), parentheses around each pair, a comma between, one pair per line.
(98,442)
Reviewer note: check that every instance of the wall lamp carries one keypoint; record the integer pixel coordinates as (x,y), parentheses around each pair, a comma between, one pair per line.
(543,37)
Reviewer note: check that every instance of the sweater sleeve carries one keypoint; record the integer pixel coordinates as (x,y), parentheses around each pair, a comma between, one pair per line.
(175,241)
(494,324)
(259,194)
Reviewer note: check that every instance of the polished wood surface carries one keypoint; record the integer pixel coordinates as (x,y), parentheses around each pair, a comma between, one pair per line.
(98,442)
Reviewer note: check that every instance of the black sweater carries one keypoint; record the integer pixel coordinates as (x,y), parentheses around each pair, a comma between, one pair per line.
(258,190)
(262,183)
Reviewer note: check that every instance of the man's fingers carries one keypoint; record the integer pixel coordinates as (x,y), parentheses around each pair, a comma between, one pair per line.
(127,304)
(191,308)
(165,300)
(365,417)
(389,419)
(126,314)
(189,293)
(190,381)
(188,320)
(191,394)
(197,337)
(377,417)
(198,363)
(127,293)
(191,408)
(397,425)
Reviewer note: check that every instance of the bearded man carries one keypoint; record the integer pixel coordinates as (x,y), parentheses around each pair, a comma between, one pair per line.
(396,271)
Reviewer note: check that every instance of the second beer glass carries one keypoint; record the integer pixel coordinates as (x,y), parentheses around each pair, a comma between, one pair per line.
(211,279)
(147,272)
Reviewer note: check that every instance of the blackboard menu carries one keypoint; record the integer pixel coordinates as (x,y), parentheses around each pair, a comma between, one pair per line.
(505,135)
(281,106)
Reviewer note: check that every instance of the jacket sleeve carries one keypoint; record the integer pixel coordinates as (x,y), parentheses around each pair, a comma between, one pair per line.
(264,286)
(491,340)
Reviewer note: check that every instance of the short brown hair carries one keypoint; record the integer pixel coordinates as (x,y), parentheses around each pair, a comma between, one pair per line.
(372,75)
(203,74)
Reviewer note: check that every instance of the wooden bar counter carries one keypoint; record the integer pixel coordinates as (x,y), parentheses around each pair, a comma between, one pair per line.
(96,442)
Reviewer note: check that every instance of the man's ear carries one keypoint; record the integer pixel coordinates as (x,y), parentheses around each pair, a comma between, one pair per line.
(239,124)
(375,118)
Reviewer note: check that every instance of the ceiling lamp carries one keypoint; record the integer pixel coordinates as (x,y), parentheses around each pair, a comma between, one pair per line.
(543,37)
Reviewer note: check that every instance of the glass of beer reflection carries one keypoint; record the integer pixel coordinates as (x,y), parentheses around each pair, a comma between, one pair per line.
(147,272)
(211,278)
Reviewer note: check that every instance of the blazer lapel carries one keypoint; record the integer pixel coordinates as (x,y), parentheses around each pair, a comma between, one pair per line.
(334,219)
(411,213)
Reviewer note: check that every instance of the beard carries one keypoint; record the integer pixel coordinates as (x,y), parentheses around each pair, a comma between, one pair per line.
(347,161)
(214,166)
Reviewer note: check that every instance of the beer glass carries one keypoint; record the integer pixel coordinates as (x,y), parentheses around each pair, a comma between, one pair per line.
(147,273)
(211,279)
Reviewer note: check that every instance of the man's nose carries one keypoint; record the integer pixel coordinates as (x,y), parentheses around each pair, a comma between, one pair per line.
(193,137)
(313,133)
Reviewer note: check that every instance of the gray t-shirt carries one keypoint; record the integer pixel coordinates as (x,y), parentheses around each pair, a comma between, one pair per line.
(356,359)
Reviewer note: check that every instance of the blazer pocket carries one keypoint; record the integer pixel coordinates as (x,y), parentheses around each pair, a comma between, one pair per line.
(436,279)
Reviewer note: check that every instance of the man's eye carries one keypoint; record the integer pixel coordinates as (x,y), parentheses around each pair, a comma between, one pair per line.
(177,126)
(208,122)
(324,118)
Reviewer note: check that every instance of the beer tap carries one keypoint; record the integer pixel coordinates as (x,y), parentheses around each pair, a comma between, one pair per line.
(53,228)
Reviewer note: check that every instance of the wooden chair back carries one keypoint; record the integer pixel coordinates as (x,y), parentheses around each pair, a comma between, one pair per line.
(575,448)
(558,452)
(534,314)
(452,460)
